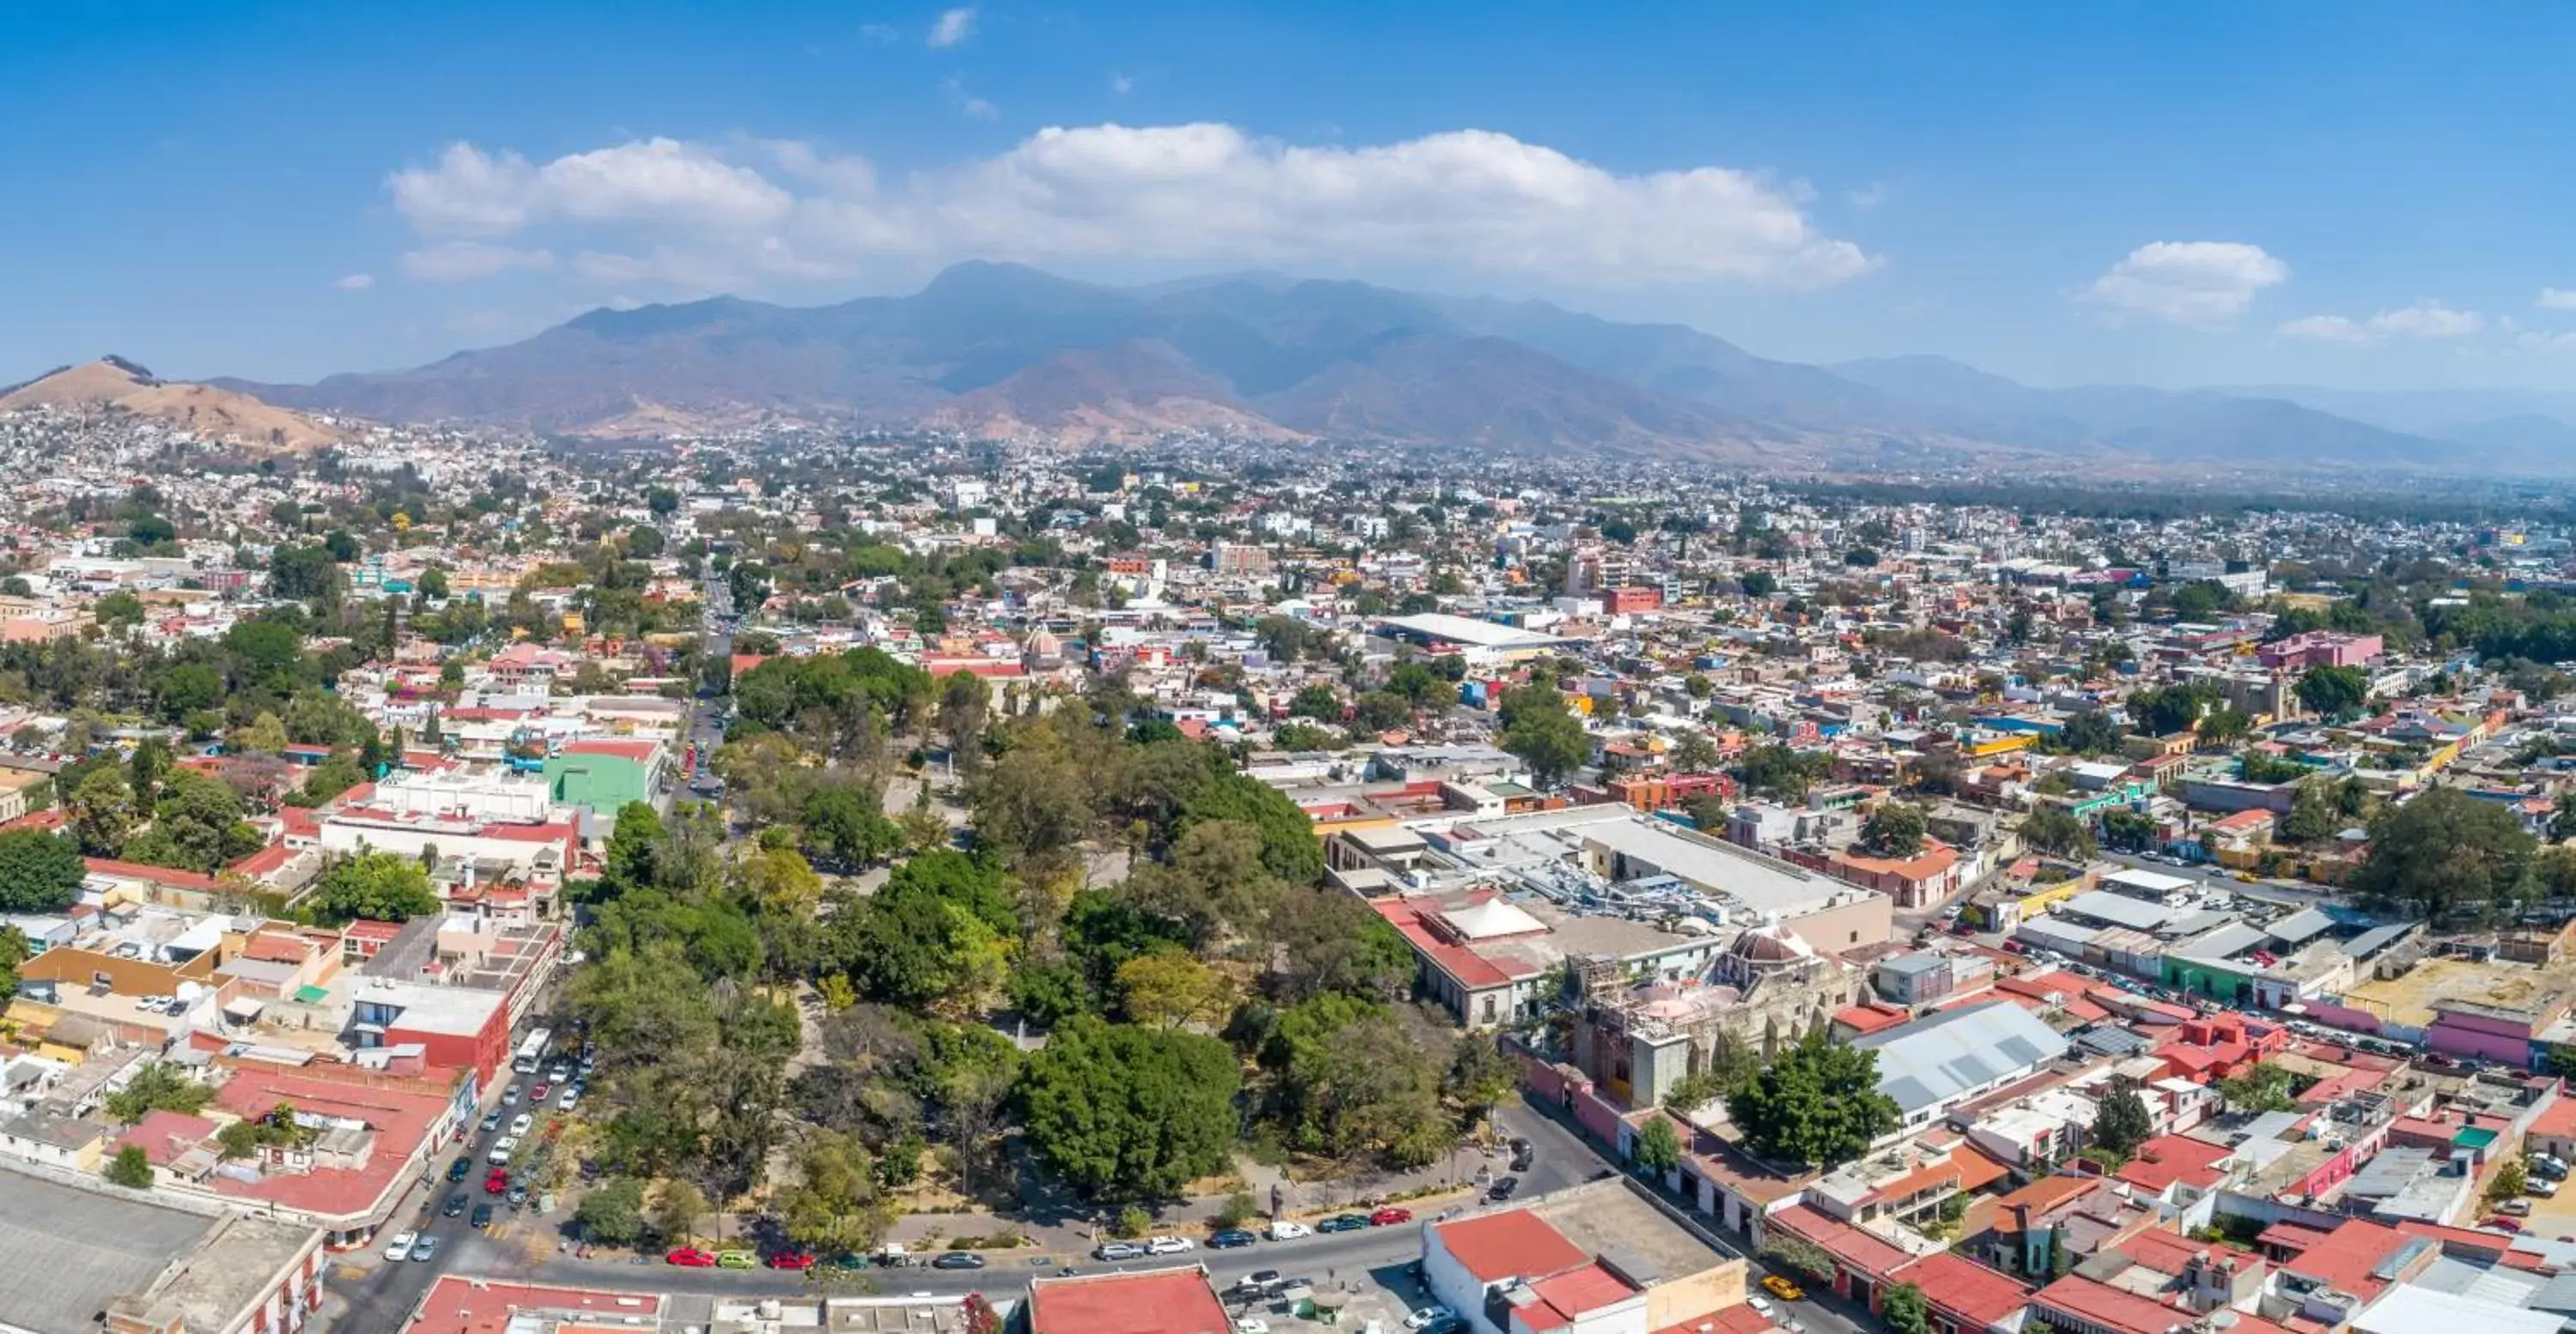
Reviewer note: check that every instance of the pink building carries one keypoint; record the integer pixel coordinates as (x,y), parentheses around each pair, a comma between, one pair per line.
(2321,648)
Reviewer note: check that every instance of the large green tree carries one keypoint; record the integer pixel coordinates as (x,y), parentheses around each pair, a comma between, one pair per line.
(2121,1122)
(371,886)
(1544,733)
(1895,829)
(39,872)
(1817,1102)
(2336,693)
(1122,1112)
(2446,853)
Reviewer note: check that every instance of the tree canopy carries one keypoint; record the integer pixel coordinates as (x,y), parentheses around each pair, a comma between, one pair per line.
(371,886)
(1122,1112)
(1817,1102)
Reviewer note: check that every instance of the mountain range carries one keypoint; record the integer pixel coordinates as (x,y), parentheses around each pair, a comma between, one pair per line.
(1005,350)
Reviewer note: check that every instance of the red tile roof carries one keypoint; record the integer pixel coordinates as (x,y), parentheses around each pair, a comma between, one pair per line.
(2345,1257)
(2110,1308)
(460,1305)
(2166,1159)
(1963,1287)
(159,875)
(1512,1244)
(1580,1292)
(1850,1246)
(1153,1301)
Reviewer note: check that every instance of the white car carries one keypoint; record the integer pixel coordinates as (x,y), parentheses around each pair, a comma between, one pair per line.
(568,1101)
(1251,1325)
(1426,1317)
(510,1096)
(1284,1230)
(399,1249)
(519,1124)
(1169,1245)
(502,1148)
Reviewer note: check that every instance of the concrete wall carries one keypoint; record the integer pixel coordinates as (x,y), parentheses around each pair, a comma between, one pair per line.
(1679,1301)
(1837,929)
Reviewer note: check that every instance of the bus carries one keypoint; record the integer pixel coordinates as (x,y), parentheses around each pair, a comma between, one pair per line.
(532,1052)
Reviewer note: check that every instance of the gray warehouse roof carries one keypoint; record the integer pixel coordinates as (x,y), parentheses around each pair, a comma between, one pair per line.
(2301,927)
(1945,1055)
(72,1251)
(2118,910)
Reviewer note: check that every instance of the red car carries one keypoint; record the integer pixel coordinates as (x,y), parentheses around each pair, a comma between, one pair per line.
(2503,1224)
(792,1260)
(496,1183)
(538,1094)
(1383,1217)
(690,1257)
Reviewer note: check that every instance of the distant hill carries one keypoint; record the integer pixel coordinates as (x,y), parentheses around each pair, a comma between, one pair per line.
(1006,350)
(113,384)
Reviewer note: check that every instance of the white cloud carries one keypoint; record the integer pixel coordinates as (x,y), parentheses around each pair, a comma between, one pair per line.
(736,214)
(1868,196)
(2556,298)
(2189,282)
(1121,84)
(2424,319)
(354,282)
(977,108)
(2543,341)
(660,181)
(952,28)
(469,261)
(879,33)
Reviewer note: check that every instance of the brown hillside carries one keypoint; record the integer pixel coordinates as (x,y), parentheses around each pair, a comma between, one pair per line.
(214,414)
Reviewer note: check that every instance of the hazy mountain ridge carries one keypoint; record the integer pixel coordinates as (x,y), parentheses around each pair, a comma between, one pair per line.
(1007,350)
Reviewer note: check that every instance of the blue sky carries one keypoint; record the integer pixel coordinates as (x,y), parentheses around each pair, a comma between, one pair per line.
(2352,195)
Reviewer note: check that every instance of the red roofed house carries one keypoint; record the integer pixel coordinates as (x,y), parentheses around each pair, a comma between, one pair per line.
(457,1304)
(1151,1301)
(2079,1305)
(1599,1259)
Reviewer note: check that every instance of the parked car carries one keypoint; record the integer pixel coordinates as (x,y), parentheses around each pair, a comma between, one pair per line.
(502,1148)
(510,1096)
(792,1260)
(1169,1245)
(1389,1216)
(1286,1230)
(1427,1317)
(2541,1187)
(2502,1224)
(689,1257)
(1265,1279)
(2516,1208)
(522,1123)
(399,1249)
(496,1181)
(424,1250)
(959,1260)
(1251,1325)
(568,1099)
(460,1169)
(1230,1238)
(1782,1288)
(492,1120)
(518,1194)
(1524,1154)
(455,1206)
(737,1260)
(538,1093)
(1118,1250)
(1342,1223)
(482,1216)
(1502,1190)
